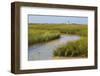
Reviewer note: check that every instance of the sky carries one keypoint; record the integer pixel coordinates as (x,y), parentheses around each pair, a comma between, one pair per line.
(56,19)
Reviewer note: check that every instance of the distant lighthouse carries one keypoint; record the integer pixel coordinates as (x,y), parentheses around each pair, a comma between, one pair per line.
(68,22)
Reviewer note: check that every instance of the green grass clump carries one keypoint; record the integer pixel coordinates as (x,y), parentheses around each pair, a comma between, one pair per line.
(73,49)
(39,36)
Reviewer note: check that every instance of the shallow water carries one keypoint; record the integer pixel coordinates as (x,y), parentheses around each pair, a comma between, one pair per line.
(44,51)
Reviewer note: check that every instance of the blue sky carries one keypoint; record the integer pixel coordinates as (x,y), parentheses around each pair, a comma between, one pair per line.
(56,19)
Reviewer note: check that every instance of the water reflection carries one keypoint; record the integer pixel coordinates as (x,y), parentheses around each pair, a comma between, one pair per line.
(44,51)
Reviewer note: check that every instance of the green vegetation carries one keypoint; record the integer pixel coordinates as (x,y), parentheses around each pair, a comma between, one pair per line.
(73,49)
(74,29)
(38,33)
(37,36)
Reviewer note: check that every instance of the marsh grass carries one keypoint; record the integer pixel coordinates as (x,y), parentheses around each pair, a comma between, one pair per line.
(74,29)
(73,49)
(38,33)
(39,36)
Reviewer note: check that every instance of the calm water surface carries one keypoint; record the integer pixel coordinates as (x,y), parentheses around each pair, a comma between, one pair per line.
(44,51)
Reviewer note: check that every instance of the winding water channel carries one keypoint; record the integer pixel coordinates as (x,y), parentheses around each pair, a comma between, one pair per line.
(44,51)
